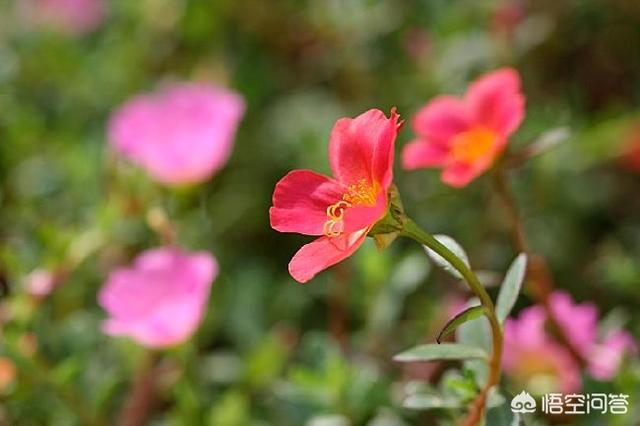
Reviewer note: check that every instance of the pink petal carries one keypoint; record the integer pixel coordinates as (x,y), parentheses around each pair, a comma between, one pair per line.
(362,148)
(362,216)
(580,321)
(495,101)
(75,17)
(419,153)
(300,202)
(605,359)
(384,152)
(323,253)
(160,300)
(441,119)
(529,351)
(179,135)
(459,175)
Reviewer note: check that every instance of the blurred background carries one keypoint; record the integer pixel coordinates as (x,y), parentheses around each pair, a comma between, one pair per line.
(271,351)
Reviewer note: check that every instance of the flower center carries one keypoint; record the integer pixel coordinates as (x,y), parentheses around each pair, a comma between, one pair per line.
(360,193)
(470,146)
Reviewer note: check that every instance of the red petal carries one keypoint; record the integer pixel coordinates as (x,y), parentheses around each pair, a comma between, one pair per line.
(323,253)
(419,153)
(300,202)
(459,175)
(496,102)
(362,148)
(362,216)
(441,119)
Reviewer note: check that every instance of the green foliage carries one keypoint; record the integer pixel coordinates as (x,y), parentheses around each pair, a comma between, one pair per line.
(443,351)
(464,316)
(510,287)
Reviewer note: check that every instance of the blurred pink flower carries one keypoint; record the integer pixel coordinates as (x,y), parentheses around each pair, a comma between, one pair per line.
(532,355)
(160,300)
(507,16)
(340,210)
(67,16)
(40,282)
(179,135)
(631,154)
(464,136)
(417,43)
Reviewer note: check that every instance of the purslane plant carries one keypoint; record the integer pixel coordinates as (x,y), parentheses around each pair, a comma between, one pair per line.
(343,209)
(361,201)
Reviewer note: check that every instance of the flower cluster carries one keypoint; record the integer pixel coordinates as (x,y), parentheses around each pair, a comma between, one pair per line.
(537,360)
(180,135)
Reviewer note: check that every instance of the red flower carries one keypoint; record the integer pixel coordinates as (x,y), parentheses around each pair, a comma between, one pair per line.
(341,210)
(465,136)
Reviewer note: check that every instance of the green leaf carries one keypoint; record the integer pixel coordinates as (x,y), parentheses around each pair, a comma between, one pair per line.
(546,141)
(511,286)
(445,351)
(452,245)
(464,316)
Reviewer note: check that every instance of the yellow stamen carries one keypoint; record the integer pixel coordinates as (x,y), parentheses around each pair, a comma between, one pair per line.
(470,146)
(360,193)
(335,212)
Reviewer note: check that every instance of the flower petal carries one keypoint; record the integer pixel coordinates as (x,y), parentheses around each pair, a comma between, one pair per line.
(362,148)
(441,119)
(181,134)
(495,101)
(459,175)
(420,153)
(300,202)
(323,253)
(604,359)
(362,216)
(160,300)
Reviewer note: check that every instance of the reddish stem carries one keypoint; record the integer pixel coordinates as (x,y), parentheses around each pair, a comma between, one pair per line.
(137,408)
(540,283)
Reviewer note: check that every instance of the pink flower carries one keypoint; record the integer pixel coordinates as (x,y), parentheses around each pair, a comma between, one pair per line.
(532,356)
(67,16)
(507,16)
(181,135)
(40,282)
(631,155)
(341,210)
(160,300)
(465,136)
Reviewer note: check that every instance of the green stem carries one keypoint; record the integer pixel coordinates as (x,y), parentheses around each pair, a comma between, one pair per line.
(412,230)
